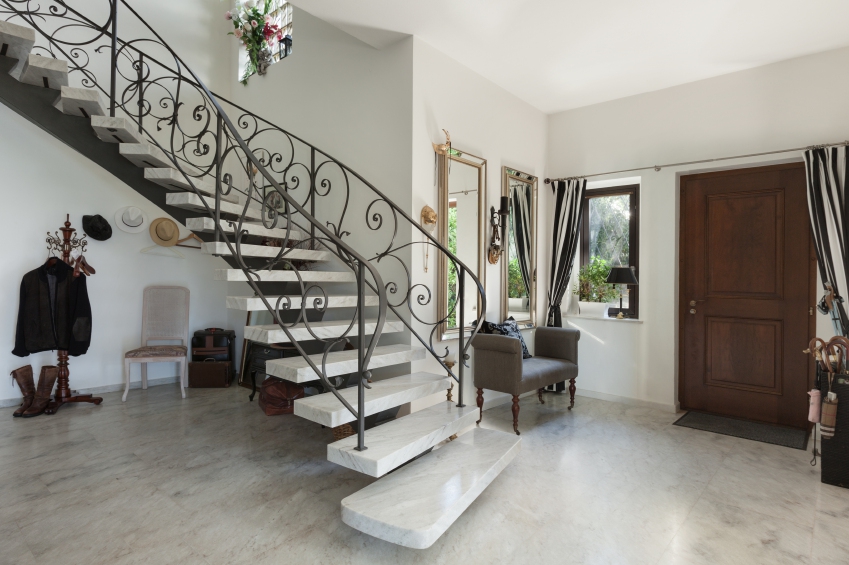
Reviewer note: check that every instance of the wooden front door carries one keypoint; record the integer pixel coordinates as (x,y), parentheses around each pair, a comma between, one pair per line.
(747,278)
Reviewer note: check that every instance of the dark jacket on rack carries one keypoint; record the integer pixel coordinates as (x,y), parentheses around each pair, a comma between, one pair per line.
(54,312)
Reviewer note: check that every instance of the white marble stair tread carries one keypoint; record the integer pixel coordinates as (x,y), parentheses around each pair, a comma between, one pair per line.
(394,443)
(85,102)
(207,225)
(16,42)
(325,409)
(44,71)
(295,254)
(237,275)
(116,130)
(147,155)
(191,201)
(416,504)
(254,303)
(175,180)
(324,330)
(297,370)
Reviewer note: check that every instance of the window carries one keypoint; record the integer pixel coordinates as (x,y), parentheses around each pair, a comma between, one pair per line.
(610,238)
(282,17)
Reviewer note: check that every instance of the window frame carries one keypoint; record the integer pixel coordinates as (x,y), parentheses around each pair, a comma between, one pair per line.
(633,190)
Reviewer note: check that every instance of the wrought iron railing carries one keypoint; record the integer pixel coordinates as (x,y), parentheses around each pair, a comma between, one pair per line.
(293,184)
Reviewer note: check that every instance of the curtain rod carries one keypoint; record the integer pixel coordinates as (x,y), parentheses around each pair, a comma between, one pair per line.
(659,167)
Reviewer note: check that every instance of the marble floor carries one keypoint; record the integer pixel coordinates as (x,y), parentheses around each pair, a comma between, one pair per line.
(211,480)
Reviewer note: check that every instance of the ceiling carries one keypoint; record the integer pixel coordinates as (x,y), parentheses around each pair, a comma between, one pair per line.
(562,54)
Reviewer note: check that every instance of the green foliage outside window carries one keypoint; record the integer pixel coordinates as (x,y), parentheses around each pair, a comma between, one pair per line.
(452,269)
(592,285)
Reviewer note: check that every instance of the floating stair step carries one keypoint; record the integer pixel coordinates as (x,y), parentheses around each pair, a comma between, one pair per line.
(297,370)
(45,71)
(237,275)
(85,102)
(253,303)
(191,201)
(116,130)
(294,254)
(149,156)
(16,42)
(415,505)
(396,442)
(175,180)
(325,409)
(207,225)
(324,330)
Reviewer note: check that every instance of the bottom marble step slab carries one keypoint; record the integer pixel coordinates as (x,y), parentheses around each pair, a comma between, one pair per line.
(325,409)
(416,504)
(394,443)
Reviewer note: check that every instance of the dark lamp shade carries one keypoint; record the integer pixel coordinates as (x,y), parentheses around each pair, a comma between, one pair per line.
(622,275)
(505,205)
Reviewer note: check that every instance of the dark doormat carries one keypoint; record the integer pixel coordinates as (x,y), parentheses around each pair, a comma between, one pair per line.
(755,431)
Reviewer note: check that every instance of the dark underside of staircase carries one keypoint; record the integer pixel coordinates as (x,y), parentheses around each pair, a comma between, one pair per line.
(36,105)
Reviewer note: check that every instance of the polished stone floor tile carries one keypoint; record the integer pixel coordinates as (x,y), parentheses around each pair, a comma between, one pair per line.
(210,480)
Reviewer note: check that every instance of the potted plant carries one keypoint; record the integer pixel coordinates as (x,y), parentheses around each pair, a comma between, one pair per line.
(594,293)
(257,32)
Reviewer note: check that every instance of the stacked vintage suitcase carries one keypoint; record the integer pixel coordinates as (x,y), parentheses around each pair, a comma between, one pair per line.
(213,355)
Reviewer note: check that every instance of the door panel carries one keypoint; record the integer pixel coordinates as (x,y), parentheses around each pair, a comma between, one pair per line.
(746,285)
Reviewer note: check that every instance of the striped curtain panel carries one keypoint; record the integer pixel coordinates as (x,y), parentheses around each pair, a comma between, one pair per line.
(567,228)
(829,210)
(520,224)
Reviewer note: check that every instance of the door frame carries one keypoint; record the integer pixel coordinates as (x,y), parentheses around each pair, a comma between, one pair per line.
(681,298)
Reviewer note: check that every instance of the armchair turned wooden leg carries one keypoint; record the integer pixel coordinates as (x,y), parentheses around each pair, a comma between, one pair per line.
(571,393)
(480,404)
(516,414)
(539,392)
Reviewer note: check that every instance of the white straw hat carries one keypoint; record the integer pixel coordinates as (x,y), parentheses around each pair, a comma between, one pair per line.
(131,219)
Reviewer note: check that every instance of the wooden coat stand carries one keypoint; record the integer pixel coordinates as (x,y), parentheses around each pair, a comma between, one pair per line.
(64,394)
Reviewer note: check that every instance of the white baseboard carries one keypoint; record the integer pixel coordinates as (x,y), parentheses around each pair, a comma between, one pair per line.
(626,400)
(8,402)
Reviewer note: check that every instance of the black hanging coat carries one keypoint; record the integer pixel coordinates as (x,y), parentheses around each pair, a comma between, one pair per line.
(54,312)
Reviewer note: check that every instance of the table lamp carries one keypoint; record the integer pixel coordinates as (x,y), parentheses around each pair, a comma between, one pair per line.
(621,275)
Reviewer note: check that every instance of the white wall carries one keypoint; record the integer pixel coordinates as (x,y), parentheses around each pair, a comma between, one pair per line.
(484,120)
(36,199)
(793,103)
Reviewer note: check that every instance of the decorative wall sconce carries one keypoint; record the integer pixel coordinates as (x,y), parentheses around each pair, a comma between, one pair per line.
(499,222)
(428,221)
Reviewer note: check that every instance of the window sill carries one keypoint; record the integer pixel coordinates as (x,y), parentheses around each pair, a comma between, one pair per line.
(626,320)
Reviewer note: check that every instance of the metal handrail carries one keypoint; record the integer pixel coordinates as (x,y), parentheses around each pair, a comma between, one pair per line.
(226,130)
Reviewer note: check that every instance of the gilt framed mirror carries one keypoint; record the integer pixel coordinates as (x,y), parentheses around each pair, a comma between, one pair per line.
(519,260)
(461,181)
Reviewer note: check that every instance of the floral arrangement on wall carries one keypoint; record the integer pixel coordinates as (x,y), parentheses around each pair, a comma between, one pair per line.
(256,30)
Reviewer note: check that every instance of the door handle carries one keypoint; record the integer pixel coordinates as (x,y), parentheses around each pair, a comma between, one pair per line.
(693,303)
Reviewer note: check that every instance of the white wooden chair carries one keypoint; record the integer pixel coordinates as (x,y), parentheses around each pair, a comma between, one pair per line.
(165,317)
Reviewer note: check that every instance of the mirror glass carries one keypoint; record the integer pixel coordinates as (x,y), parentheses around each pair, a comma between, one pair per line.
(461,192)
(519,260)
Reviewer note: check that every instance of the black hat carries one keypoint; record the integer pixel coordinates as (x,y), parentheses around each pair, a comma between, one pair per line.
(96,227)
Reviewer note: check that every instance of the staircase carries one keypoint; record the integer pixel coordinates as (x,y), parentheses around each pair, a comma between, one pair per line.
(181,149)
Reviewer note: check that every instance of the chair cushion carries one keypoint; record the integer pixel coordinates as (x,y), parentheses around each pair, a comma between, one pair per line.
(158,351)
(540,372)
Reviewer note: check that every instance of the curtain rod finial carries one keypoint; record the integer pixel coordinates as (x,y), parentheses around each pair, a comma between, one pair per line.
(547,181)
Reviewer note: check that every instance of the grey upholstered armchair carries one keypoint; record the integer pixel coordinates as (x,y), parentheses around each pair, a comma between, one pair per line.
(499,365)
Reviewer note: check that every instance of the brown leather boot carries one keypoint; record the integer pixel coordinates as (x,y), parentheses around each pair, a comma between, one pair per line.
(23,376)
(46,382)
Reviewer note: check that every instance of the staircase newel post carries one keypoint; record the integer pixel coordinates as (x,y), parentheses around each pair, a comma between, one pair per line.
(461,290)
(113,85)
(361,353)
(219,134)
